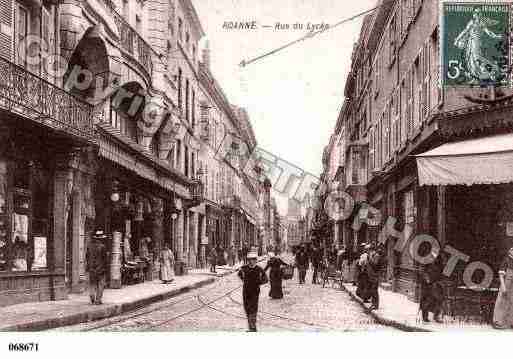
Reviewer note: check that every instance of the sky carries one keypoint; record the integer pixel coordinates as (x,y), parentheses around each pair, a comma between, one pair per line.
(293,97)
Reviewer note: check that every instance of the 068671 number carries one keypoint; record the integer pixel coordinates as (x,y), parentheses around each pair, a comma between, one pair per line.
(23,347)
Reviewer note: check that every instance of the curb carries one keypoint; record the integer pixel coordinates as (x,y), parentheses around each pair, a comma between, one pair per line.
(382,320)
(108,311)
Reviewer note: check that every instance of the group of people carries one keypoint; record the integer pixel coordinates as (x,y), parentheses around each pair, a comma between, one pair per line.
(368,271)
(97,265)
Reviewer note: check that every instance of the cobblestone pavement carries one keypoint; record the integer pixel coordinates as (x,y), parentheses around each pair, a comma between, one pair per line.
(218,307)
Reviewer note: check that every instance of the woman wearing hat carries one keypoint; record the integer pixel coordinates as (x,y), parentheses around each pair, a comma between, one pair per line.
(253,277)
(167,264)
(503,313)
(275,276)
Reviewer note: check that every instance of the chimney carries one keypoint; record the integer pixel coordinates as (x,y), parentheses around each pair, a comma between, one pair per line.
(206,55)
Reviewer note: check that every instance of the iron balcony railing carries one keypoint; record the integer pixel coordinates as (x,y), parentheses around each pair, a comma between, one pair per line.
(30,96)
(131,41)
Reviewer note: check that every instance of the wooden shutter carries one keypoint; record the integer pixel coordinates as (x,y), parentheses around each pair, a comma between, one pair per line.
(410,109)
(371,149)
(48,38)
(6,29)
(427,81)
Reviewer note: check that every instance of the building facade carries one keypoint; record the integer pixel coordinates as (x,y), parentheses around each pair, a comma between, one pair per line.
(395,109)
(107,128)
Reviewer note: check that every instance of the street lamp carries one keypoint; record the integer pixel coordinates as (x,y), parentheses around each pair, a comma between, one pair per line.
(114,196)
(173,208)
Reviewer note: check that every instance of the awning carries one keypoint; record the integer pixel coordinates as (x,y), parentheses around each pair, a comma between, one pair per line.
(486,160)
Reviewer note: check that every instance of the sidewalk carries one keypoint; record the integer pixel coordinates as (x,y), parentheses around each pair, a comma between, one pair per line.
(77,309)
(399,312)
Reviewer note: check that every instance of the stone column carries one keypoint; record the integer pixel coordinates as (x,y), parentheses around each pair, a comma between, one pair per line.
(158,229)
(193,242)
(58,261)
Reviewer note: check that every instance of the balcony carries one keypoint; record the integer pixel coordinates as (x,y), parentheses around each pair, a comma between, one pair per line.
(131,41)
(32,97)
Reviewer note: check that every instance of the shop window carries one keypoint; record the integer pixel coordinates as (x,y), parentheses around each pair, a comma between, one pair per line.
(24,226)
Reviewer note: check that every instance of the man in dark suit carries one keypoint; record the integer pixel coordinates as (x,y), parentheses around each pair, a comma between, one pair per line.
(316,263)
(253,276)
(97,262)
(302,264)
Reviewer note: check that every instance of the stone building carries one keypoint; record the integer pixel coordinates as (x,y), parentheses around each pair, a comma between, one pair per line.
(101,130)
(401,124)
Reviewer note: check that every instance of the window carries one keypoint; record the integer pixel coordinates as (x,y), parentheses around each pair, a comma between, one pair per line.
(186,163)
(392,33)
(178,146)
(180,89)
(48,37)
(193,164)
(154,146)
(418,87)
(426,75)
(171,157)
(24,228)
(187,100)
(126,13)
(138,24)
(409,207)
(180,29)
(193,109)
(21,32)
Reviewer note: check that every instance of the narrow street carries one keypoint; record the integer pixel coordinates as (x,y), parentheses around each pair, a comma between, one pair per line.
(218,307)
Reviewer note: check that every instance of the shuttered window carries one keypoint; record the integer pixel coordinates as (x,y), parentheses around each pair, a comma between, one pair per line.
(48,37)
(21,32)
(6,28)
(426,62)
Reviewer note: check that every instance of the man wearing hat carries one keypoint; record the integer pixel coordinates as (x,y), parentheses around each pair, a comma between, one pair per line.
(253,277)
(97,261)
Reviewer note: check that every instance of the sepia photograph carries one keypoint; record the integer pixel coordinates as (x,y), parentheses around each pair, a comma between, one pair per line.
(236,166)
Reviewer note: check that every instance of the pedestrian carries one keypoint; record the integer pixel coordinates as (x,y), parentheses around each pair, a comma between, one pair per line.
(503,312)
(253,276)
(275,276)
(167,263)
(97,261)
(432,294)
(239,252)
(302,264)
(212,257)
(316,259)
(372,269)
(231,256)
(362,279)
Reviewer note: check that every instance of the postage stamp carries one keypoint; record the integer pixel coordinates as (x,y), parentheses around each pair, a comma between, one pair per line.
(475,44)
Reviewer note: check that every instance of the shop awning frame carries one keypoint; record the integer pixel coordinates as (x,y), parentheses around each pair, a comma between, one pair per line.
(485,160)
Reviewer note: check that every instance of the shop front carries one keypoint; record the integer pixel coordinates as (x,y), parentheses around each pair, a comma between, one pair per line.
(141,208)
(44,211)
(473,180)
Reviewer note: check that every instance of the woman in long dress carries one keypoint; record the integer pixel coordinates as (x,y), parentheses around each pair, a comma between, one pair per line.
(167,263)
(503,313)
(275,277)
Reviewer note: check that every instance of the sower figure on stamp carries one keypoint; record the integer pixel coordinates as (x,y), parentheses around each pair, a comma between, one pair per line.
(253,277)
(97,261)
